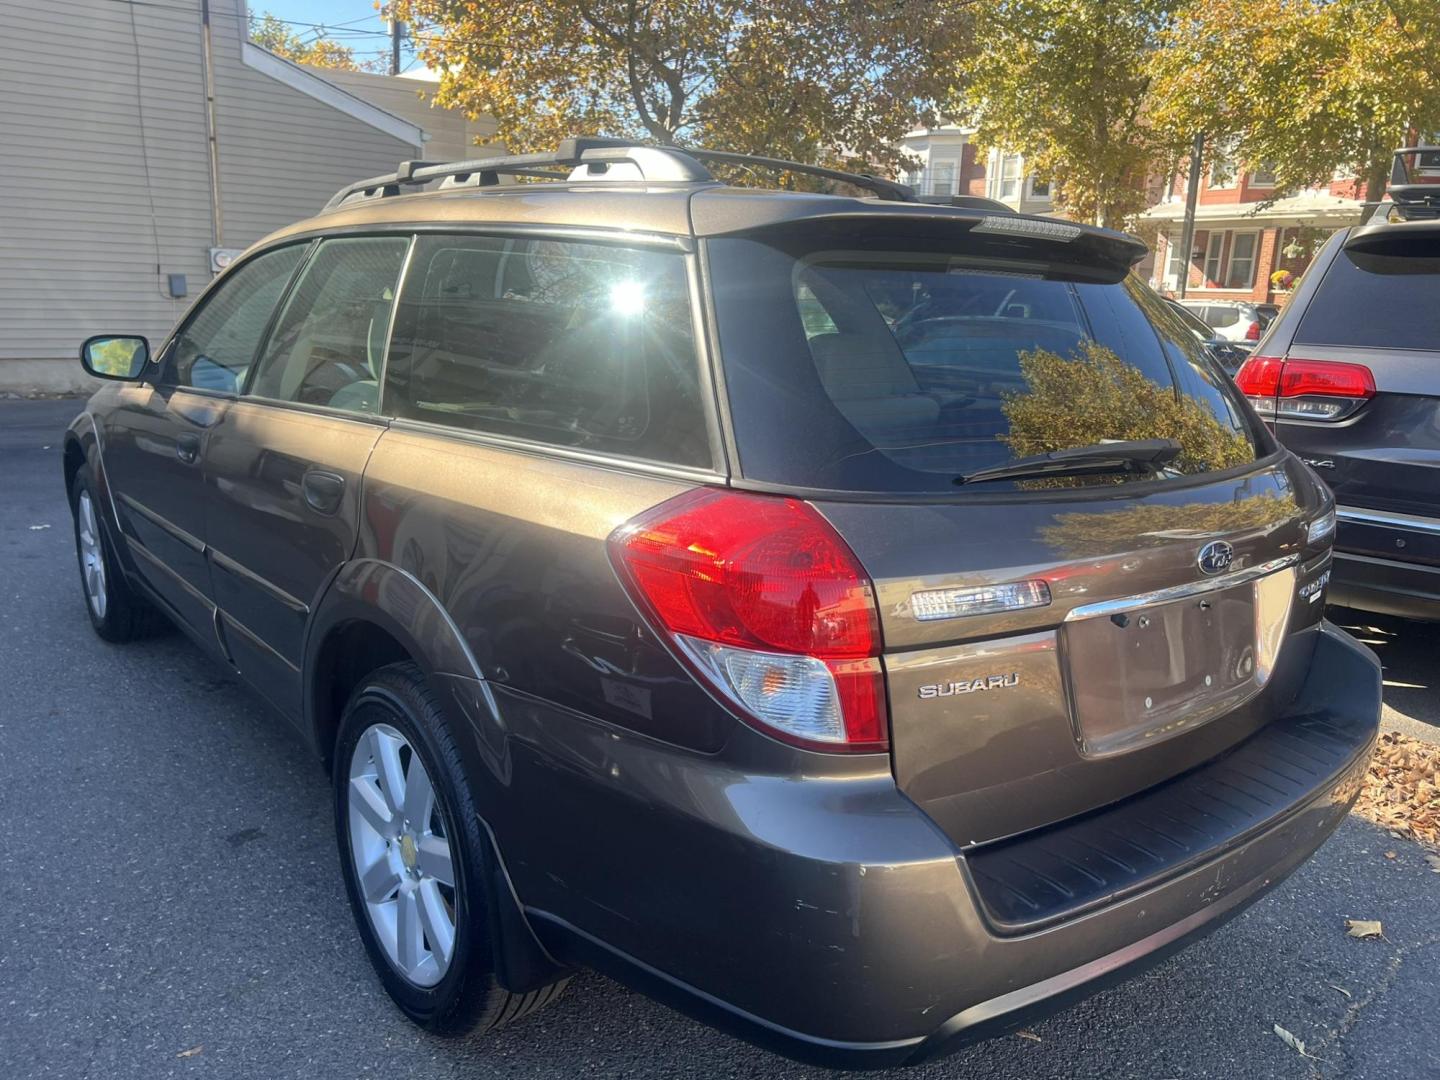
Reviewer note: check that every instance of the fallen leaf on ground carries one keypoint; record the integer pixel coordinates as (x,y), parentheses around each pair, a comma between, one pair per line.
(1363,928)
(191,1052)
(1434,861)
(1389,854)
(1341,989)
(1291,1041)
(1027,1034)
(1401,792)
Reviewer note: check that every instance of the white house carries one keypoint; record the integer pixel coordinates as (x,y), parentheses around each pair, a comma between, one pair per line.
(949,164)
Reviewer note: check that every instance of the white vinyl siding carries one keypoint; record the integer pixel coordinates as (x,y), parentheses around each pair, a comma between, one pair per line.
(81,251)
(78,243)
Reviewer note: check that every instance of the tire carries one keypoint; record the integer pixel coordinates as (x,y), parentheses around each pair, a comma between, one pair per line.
(395,874)
(117,611)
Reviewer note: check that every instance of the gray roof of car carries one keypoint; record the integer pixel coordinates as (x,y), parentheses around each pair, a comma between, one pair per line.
(674,209)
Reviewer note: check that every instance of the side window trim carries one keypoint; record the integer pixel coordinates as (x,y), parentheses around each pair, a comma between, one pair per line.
(383,375)
(162,357)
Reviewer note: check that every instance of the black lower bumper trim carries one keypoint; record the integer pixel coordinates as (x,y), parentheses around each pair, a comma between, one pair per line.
(1057,872)
(1387,586)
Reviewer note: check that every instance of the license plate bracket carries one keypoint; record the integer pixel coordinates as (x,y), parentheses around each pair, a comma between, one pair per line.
(1145,674)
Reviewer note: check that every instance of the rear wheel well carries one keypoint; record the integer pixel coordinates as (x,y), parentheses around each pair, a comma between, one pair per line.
(351,651)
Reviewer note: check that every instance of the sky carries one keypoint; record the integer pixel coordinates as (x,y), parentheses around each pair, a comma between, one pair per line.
(355,23)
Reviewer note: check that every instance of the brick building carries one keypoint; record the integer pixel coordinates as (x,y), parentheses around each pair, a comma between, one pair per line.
(1244,234)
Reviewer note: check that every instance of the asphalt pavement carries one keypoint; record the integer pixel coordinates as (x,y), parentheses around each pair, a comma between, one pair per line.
(171,904)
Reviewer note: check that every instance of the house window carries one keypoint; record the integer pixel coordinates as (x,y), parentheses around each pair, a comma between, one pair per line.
(1223,168)
(1174,264)
(1263,175)
(1010,174)
(942,178)
(1214,247)
(1240,274)
(1040,189)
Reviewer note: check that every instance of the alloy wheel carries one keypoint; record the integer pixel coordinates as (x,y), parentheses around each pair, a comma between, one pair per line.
(92,555)
(402,855)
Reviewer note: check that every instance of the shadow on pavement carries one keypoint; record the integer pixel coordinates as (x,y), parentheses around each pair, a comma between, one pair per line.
(1410,654)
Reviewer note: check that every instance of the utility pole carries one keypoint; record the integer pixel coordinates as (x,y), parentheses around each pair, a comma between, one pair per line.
(397,35)
(1192,196)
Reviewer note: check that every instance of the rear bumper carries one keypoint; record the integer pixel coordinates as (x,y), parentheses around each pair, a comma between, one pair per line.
(1374,570)
(830,921)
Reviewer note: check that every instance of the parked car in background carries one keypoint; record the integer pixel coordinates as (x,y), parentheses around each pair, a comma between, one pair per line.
(860,624)
(1233,320)
(1228,354)
(1349,377)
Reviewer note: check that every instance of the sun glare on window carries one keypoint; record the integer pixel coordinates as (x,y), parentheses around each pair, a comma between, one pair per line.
(627,298)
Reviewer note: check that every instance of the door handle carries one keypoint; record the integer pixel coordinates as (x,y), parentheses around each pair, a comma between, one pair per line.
(187,447)
(323,490)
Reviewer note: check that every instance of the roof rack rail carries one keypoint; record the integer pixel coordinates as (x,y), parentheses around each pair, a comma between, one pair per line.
(1411,199)
(656,164)
(888,190)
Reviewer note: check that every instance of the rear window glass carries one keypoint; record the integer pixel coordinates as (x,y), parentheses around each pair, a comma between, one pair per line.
(572,344)
(900,364)
(1376,301)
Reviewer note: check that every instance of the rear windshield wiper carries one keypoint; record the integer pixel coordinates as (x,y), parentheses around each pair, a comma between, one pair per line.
(1121,456)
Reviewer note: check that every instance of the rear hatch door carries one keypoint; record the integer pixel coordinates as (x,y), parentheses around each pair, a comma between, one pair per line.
(1053,642)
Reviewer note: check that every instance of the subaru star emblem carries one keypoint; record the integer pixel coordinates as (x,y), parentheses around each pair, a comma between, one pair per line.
(1215,557)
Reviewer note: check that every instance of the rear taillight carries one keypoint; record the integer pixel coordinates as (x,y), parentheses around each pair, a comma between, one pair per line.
(769,606)
(1298,389)
(1252,333)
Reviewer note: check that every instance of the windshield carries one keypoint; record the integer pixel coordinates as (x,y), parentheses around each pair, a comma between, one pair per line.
(904,364)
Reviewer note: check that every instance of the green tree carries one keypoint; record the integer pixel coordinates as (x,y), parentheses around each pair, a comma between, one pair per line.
(1309,87)
(1096,396)
(1066,83)
(816,82)
(272,33)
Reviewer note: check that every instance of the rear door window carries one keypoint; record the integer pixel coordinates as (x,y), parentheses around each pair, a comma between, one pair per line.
(568,343)
(900,364)
(1222,316)
(1374,300)
(328,345)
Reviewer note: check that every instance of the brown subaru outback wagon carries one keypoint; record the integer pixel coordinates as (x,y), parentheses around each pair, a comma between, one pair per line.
(860,624)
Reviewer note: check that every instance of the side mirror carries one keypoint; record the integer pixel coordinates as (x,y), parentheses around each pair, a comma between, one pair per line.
(109,357)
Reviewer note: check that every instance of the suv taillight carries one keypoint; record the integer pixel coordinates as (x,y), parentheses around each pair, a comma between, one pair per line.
(1252,332)
(769,607)
(1297,389)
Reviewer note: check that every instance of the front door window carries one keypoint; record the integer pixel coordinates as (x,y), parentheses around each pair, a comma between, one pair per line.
(216,347)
